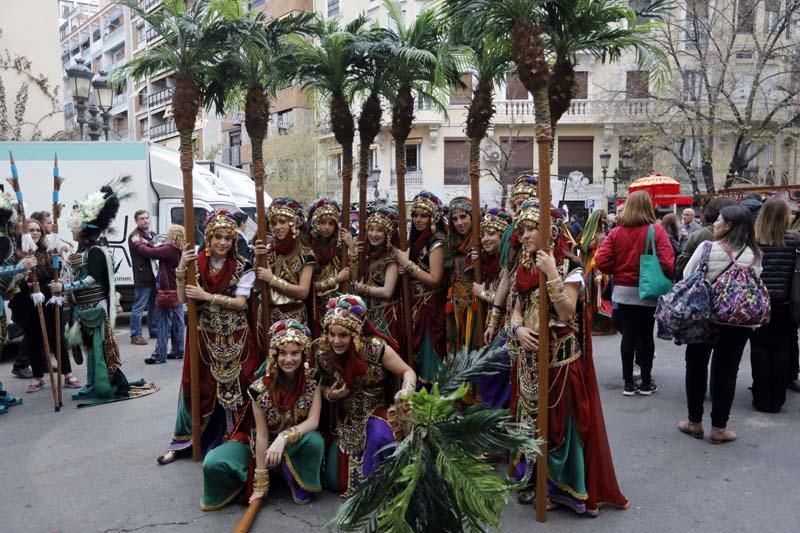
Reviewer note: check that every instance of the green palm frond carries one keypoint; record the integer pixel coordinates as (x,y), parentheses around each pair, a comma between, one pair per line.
(468,365)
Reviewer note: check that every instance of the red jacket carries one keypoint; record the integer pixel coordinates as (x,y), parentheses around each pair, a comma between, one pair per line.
(621,249)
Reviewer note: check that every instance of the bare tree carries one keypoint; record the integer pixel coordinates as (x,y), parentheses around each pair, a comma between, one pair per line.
(291,162)
(735,87)
(502,154)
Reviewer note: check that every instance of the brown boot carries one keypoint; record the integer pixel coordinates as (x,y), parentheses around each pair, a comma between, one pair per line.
(721,435)
(139,341)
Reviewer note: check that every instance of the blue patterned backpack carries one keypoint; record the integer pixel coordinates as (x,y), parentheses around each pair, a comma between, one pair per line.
(739,297)
(685,311)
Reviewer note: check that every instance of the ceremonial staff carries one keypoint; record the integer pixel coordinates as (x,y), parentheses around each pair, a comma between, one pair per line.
(400,164)
(543,359)
(261,233)
(29,248)
(475,189)
(246,521)
(54,248)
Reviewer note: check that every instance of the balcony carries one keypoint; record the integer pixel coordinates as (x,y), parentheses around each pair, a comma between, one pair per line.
(232,156)
(583,111)
(149,5)
(413,178)
(160,98)
(152,35)
(167,129)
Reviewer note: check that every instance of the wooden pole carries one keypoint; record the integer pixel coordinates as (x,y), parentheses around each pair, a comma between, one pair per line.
(249,516)
(191,279)
(475,190)
(400,167)
(543,360)
(35,289)
(261,232)
(363,173)
(56,257)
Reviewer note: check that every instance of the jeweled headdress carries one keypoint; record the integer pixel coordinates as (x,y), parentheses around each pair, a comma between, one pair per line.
(385,217)
(496,218)
(348,311)
(460,204)
(429,203)
(286,207)
(284,331)
(525,186)
(219,220)
(529,212)
(323,208)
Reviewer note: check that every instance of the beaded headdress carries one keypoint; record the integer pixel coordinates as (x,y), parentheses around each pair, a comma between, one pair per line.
(460,204)
(348,311)
(289,208)
(525,186)
(219,220)
(384,217)
(285,331)
(529,212)
(323,208)
(497,219)
(429,203)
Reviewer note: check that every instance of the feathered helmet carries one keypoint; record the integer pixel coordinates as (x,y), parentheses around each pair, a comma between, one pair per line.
(283,332)
(460,204)
(496,219)
(8,207)
(429,203)
(384,217)
(218,222)
(525,186)
(323,208)
(93,216)
(348,311)
(289,208)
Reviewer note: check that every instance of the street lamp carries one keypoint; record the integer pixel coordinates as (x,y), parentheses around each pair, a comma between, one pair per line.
(80,79)
(102,96)
(625,163)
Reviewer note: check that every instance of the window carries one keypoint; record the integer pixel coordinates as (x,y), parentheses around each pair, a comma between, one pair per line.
(140,34)
(456,162)
(772,9)
(334,166)
(581,85)
(373,159)
(413,157)
(333,8)
(692,85)
(576,153)
(514,89)
(696,25)
(637,84)
(390,24)
(519,152)
(745,16)
(744,54)
(462,95)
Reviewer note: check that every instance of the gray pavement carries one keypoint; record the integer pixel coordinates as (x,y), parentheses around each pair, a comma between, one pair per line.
(94,470)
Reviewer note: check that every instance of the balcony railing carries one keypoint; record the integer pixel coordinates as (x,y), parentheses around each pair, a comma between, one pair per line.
(163,130)
(119,99)
(148,5)
(640,107)
(413,177)
(160,98)
(151,35)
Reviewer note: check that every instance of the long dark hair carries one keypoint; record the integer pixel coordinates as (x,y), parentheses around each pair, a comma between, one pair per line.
(742,229)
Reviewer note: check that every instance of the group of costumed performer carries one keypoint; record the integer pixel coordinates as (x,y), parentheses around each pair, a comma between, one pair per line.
(91,300)
(598,285)
(581,472)
(228,348)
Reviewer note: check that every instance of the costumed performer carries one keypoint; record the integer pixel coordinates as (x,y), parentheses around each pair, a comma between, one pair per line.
(461,306)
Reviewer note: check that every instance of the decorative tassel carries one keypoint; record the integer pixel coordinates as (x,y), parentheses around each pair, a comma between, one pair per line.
(28,246)
(56,300)
(73,335)
(38,298)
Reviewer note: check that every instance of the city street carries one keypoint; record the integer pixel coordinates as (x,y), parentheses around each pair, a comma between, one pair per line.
(94,469)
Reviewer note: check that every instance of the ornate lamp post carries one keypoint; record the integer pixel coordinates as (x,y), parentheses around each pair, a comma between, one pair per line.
(625,162)
(102,98)
(80,79)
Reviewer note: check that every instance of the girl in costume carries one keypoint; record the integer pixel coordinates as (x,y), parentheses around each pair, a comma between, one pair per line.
(286,406)
(380,280)
(494,390)
(461,306)
(581,473)
(229,354)
(327,239)
(93,298)
(290,264)
(598,308)
(26,315)
(424,263)
(354,360)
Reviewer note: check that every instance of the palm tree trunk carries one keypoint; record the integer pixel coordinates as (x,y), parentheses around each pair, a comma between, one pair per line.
(363,175)
(475,186)
(347,182)
(187,162)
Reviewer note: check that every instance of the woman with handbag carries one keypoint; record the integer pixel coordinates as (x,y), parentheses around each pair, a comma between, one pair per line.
(622,253)
(171,325)
(734,242)
(770,345)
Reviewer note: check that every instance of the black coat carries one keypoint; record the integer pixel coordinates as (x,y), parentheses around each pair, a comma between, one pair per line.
(778,268)
(142,268)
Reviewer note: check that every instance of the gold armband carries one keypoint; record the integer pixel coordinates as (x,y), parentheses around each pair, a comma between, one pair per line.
(261,480)
(556,290)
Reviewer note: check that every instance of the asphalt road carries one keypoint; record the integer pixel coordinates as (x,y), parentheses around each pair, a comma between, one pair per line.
(94,470)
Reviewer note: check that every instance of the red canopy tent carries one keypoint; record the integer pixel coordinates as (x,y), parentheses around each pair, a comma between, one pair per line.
(663,190)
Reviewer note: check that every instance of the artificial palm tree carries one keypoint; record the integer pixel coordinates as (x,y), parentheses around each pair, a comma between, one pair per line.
(194,39)
(328,68)
(249,73)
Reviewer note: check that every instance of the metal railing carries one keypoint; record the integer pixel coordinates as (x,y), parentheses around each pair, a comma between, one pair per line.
(147,5)
(413,177)
(151,35)
(160,98)
(163,130)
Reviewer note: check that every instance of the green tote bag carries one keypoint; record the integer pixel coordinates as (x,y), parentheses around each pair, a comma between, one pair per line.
(652,281)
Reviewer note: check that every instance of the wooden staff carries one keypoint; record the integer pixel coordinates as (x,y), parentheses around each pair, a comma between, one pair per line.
(400,164)
(262,260)
(475,189)
(55,252)
(36,292)
(543,360)
(246,521)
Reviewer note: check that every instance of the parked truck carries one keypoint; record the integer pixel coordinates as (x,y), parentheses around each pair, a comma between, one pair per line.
(240,184)
(157,186)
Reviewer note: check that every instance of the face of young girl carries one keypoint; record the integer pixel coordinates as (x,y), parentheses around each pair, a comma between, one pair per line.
(421,220)
(375,235)
(490,241)
(221,244)
(530,236)
(280,227)
(339,339)
(462,223)
(326,227)
(290,357)
(35,231)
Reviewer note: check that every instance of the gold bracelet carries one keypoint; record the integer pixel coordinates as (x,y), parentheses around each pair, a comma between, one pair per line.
(556,290)
(213,300)
(261,480)
(291,435)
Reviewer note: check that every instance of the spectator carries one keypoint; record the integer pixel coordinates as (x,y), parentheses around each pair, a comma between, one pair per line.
(733,231)
(144,282)
(242,246)
(611,221)
(619,255)
(170,324)
(574,227)
(771,345)
(689,225)
(670,224)
(706,233)
(752,202)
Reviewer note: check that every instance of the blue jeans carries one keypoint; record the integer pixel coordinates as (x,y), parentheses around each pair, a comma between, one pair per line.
(144,298)
(170,327)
